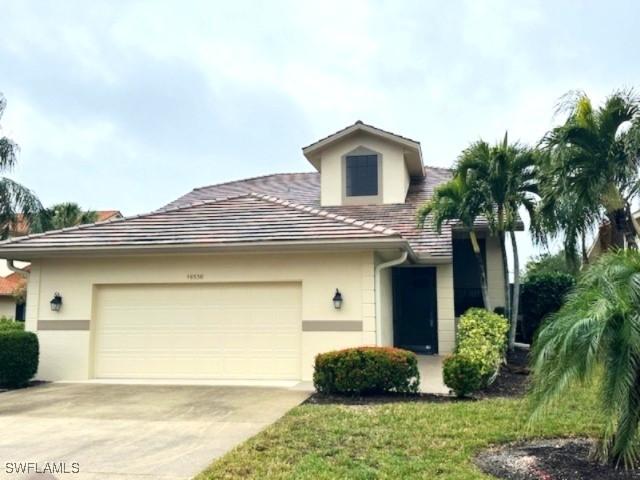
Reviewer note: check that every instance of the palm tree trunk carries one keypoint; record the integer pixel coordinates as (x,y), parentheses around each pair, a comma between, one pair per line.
(483,274)
(585,257)
(516,291)
(630,229)
(505,275)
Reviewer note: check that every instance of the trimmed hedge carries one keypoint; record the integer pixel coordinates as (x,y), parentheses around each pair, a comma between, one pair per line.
(366,370)
(481,342)
(19,352)
(542,294)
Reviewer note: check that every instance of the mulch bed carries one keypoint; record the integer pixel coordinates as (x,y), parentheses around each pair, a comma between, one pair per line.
(559,459)
(513,379)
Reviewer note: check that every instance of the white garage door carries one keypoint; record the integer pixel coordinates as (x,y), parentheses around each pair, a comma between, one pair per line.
(203,331)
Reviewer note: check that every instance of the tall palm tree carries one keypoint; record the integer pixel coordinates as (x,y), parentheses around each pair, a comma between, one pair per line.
(595,336)
(456,201)
(15,199)
(504,178)
(591,171)
(62,215)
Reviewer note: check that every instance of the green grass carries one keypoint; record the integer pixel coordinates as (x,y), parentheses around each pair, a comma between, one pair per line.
(401,440)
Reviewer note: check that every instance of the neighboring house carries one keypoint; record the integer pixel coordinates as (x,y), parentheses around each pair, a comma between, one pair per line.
(602,240)
(239,280)
(10,307)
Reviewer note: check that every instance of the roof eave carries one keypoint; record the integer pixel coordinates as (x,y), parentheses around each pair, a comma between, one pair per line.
(416,166)
(31,253)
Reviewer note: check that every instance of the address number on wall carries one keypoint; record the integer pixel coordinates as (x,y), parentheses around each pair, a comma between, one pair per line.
(195,276)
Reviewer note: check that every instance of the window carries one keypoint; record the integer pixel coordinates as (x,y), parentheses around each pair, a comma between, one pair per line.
(362,175)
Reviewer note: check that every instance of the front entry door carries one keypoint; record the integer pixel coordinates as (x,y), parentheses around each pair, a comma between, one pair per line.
(414,309)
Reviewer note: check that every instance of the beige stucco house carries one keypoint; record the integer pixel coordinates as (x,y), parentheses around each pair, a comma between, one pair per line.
(238,281)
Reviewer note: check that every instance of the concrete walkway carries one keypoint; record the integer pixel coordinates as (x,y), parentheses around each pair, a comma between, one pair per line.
(430,367)
(133,431)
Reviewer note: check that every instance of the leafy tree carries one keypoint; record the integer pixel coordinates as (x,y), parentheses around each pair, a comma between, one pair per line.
(595,337)
(590,170)
(62,215)
(551,263)
(456,201)
(504,179)
(15,199)
(543,293)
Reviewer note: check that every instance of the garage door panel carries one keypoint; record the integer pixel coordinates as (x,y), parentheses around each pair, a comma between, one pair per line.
(243,331)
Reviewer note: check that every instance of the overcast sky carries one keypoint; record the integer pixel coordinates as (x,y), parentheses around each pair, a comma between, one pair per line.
(127,105)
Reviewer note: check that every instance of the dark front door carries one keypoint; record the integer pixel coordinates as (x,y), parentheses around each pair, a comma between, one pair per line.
(415,324)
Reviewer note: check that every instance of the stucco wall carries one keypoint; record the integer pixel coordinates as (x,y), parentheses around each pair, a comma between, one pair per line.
(394,172)
(7,307)
(66,354)
(495,278)
(446,309)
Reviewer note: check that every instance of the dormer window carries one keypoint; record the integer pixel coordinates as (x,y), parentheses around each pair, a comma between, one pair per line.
(362,175)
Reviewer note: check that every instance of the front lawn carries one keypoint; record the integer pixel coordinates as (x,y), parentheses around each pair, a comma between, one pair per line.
(395,440)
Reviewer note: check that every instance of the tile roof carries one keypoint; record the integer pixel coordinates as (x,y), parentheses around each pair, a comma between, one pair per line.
(360,122)
(304,189)
(243,218)
(10,283)
(22,227)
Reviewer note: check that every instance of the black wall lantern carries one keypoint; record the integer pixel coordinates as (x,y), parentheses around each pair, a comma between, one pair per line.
(56,303)
(337,300)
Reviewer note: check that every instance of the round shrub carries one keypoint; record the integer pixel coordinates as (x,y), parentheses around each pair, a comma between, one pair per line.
(366,370)
(19,353)
(542,294)
(481,341)
(462,374)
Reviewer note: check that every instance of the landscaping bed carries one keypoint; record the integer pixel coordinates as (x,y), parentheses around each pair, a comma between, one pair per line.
(513,379)
(560,459)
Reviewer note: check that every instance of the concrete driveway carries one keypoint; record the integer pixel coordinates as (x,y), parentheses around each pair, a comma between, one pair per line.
(132,431)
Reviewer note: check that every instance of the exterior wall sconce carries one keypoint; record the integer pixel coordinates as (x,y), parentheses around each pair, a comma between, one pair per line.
(56,303)
(337,300)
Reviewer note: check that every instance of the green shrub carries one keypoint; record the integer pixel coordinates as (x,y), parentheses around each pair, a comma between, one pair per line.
(481,341)
(19,353)
(462,374)
(542,294)
(366,370)
(9,324)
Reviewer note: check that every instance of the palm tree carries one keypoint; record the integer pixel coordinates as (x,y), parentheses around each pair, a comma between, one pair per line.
(504,178)
(62,215)
(595,337)
(15,199)
(591,169)
(455,200)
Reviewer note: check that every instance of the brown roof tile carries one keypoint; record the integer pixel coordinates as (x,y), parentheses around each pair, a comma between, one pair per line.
(304,189)
(244,219)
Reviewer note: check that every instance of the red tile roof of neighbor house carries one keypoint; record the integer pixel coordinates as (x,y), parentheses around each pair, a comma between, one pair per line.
(10,283)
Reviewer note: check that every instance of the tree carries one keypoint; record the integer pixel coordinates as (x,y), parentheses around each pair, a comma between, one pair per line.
(15,199)
(62,215)
(456,201)
(591,169)
(595,337)
(504,180)
(551,263)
